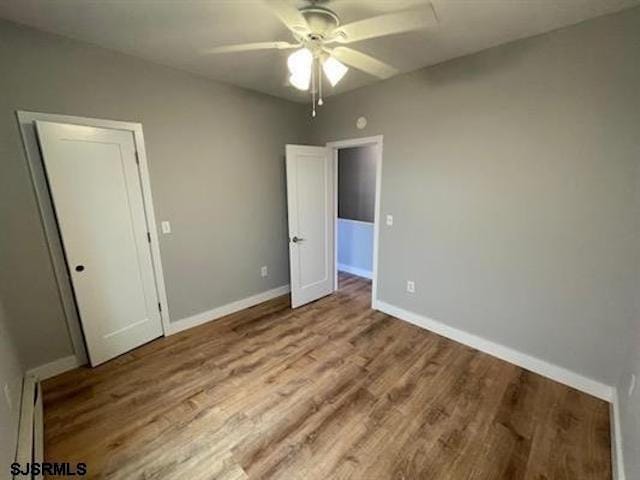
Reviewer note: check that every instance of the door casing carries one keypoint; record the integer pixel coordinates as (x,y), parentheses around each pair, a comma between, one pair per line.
(360,142)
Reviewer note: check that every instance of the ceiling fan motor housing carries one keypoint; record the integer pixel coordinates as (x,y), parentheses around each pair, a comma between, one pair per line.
(321,21)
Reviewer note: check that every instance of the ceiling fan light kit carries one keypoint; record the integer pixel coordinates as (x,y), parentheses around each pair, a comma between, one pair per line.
(334,70)
(306,69)
(315,28)
(300,64)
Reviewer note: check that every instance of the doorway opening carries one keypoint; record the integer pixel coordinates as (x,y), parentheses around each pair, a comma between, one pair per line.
(313,216)
(357,167)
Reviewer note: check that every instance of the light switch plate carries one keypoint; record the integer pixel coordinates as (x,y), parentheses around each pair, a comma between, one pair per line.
(411,286)
(389,220)
(264,271)
(166,227)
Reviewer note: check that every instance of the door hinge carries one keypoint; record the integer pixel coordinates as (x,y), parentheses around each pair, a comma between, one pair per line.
(148,237)
(159,307)
(137,158)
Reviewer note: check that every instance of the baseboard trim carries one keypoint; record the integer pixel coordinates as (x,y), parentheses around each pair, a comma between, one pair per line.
(355,271)
(24,448)
(54,368)
(541,367)
(30,443)
(204,317)
(617,459)
(65,364)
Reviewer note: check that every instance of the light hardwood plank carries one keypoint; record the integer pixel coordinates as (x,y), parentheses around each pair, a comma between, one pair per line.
(333,390)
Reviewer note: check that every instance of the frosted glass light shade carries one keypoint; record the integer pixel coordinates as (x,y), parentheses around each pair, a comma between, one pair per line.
(334,70)
(301,82)
(300,63)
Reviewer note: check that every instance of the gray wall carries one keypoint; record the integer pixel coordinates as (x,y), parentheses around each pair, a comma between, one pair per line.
(356,183)
(511,178)
(11,373)
(217,172)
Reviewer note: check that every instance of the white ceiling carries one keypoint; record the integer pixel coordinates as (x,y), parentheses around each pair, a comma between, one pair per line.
(175,32)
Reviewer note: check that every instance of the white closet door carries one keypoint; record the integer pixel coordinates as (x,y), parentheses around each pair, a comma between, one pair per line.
(95,186)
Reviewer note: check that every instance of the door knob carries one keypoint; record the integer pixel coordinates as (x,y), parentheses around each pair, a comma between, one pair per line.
(79,268)
(297,239)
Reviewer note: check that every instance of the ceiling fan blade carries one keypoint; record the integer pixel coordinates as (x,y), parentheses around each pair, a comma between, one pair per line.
(289,15)
(247,47)
(364,62)
(390,24)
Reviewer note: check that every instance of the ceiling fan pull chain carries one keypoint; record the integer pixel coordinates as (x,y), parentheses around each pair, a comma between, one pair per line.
(320,100)
(313,91)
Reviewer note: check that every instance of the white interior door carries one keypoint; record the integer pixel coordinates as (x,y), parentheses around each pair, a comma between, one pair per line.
(310,201)
(95,186)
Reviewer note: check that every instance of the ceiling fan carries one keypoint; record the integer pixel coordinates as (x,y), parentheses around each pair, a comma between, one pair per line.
(316,29)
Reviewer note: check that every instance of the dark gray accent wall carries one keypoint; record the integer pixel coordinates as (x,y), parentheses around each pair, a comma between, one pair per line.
(356,183)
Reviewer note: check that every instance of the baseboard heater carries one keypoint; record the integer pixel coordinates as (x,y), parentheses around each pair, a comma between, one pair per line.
(31,428)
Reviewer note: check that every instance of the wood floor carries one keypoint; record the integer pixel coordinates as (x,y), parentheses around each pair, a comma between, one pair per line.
(333,390)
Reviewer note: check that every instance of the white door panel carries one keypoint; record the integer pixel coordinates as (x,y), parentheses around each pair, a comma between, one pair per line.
(310,204)
(95,186)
